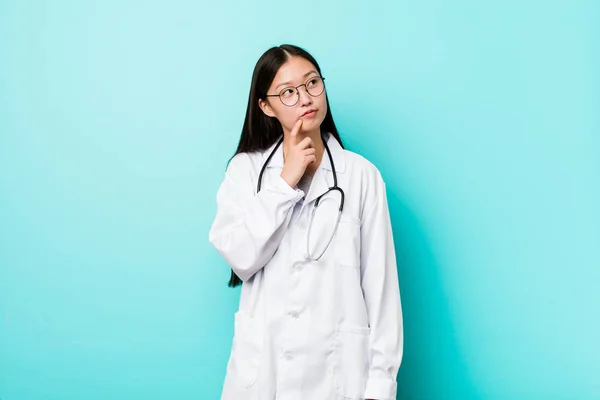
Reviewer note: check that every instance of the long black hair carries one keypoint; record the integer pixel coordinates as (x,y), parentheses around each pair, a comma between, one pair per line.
(261,131)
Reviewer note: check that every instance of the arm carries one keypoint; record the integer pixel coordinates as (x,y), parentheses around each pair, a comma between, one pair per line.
(248,228)
(379,278)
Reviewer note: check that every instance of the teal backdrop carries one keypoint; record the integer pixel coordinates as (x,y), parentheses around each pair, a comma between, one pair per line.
(116,122)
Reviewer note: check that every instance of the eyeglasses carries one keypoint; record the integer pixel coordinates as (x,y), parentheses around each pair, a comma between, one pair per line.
(289,96)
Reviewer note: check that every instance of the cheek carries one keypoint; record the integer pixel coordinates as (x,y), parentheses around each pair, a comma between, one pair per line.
(322,110)
(322,105)
(283,114)
(287,118)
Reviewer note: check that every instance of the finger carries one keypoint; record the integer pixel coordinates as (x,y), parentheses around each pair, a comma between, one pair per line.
(309,151)
(311,159)
(294,132)
(306,143)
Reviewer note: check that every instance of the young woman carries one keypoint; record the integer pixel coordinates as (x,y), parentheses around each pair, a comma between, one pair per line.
(305,226)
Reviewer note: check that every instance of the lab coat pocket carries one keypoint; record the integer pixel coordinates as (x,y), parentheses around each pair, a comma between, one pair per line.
(352,361)
(347,242)
(243,365)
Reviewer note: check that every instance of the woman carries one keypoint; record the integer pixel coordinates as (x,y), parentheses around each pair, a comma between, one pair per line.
(305,226)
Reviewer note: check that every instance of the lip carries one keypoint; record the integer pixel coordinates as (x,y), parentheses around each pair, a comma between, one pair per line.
(309,112)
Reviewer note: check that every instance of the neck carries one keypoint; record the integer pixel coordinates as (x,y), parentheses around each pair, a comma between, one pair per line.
(317,140)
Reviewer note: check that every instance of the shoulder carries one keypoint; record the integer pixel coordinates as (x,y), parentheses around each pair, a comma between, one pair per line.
(239,160)
(241,169)
(360,166)
(367,179)
(244,162)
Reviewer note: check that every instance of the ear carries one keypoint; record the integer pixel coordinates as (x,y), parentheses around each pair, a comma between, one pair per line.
(266,108)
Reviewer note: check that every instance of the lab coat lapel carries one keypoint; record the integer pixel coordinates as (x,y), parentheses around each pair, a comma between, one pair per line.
(318,186)
(323,178)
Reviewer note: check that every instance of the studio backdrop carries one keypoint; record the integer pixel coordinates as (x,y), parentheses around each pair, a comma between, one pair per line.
(116,123)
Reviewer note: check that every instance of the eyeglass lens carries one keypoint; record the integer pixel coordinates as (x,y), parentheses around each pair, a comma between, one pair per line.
(289,95)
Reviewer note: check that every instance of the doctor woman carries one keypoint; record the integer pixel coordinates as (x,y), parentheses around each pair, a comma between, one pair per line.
(305,226)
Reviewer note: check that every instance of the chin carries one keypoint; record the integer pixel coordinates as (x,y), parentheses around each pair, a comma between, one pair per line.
(308,125)
(313,121)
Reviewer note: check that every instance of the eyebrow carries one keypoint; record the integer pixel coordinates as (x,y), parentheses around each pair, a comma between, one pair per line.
(305,75)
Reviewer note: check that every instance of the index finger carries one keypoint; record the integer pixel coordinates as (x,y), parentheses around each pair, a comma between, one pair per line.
(294,132)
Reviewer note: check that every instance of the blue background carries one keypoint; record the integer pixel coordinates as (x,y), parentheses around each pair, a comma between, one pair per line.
(117,119)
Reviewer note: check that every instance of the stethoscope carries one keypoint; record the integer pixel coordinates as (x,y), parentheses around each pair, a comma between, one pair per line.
(335,187)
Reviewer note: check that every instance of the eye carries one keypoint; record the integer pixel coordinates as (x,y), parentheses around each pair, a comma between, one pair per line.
(287,92)
(313,81)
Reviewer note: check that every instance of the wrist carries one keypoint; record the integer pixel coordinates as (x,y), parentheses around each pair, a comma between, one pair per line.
(289,181)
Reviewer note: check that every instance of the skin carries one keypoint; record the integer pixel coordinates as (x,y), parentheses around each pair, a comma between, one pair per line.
(302,144)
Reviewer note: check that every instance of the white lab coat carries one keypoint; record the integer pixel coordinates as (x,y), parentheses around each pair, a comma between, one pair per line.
(310,330)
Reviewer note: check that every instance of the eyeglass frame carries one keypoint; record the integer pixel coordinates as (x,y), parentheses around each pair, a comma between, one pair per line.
(298,92)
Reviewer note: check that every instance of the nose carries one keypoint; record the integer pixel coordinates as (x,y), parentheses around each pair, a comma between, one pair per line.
(305,98)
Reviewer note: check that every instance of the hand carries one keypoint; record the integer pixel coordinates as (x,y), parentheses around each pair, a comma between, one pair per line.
(299,155)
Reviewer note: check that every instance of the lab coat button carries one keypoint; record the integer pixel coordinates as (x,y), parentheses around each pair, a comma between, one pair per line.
(294,314)
(298,266)
(288,356)
(302,225)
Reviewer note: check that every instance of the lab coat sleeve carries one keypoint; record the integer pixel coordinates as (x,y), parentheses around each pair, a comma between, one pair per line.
(379,278)
(248,227)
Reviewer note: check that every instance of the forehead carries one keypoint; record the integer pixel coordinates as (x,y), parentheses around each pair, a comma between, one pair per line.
(293,70)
